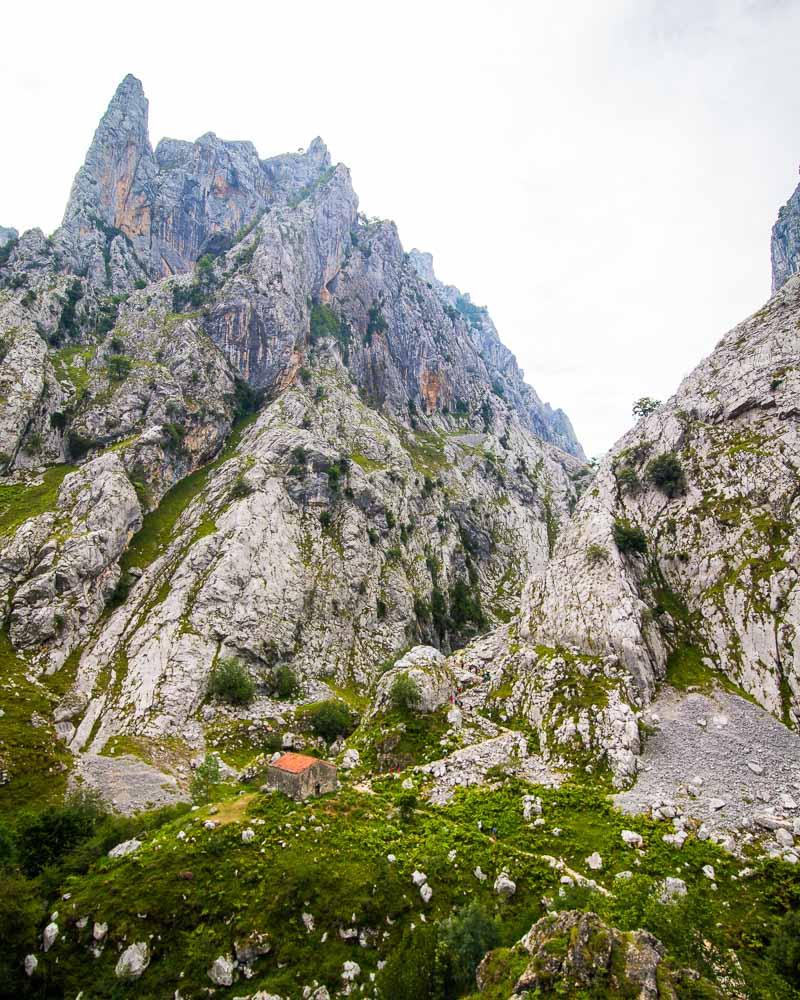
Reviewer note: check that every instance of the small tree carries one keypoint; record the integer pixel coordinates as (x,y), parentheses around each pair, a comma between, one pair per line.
(331,719)
(666,473)
(784,949)
(406,805)
(119,367)
(204,779)
(629,537)
(644,407)
(405,694)
(464,940)
(231,682)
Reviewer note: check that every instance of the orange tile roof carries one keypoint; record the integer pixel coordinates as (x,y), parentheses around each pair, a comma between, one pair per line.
(295,763)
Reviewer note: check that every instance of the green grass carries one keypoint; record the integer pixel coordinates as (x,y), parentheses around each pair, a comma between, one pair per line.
(329,857)
(19,502)
(367,464)
(158,528)
(35,760)
(67,367)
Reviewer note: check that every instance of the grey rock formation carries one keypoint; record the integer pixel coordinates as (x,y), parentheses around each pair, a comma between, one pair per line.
(427,669)
(506,376)
(578,951)
(709,478)
(785,244)
(136,214)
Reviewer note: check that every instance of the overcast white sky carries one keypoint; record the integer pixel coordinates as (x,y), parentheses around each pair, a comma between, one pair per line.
(603,176)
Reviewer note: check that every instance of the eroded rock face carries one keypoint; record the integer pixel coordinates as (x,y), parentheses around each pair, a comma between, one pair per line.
(785,244)
(717,581)
(58,570)
(427,668)
(136,214)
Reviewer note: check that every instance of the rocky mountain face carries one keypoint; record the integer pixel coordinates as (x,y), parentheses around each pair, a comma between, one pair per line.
(786,242)
(399,483)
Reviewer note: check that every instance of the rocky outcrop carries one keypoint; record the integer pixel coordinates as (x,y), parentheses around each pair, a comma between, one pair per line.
(686,546)
(785,245)
(58,570)
(139,214)
(578,951)
(506,375)
(427,669)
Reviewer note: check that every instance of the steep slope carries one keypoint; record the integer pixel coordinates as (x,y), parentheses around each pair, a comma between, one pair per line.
(680,561)
(785,244)
(399,485)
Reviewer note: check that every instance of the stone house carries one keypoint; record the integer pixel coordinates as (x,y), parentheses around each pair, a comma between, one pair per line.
(300,776)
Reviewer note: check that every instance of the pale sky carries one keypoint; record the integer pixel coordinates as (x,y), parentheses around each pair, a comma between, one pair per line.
(603,176)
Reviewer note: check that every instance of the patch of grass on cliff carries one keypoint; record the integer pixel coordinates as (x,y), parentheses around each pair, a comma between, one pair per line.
(35,761)
(19,502)
(72,365)
(158,528)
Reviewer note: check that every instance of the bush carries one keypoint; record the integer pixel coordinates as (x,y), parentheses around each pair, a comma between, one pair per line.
(240,488)
(204,779)
(464,940)
(405,694)
(284,682)
(784,949)
(325,519)
(666,473)
(118,367)
(406,804)
(231,682)
(43,838)
(629,537)
(412,969)
(331,719)
(596,553)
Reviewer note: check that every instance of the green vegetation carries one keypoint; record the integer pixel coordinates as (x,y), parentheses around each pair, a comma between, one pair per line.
(205,780)
(284,683)
(159,526)
(629,538)
(331,719)
(405,694)
(596,553)
(666,473)
(206,890)
(19,502)
(196,294)
(118,367)
(231,682)
(644,406)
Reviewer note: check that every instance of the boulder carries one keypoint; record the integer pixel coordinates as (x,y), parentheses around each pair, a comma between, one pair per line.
(428,669)
(221,971)
(133,961)
(126,847)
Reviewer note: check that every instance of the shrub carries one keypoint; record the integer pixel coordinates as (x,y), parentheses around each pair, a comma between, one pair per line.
(596,553)
(44,837)
(118,367)
(231,682)
(325,519)
(58,420)
(629,537)
(331,719)
(627,478)
(666,473)
(204,779)
(405,694)
(380,609)
(116,345)
(644,406)
(240,488)
(784,949)
(412,968)
(406,804)
(464,940)
(284,682)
